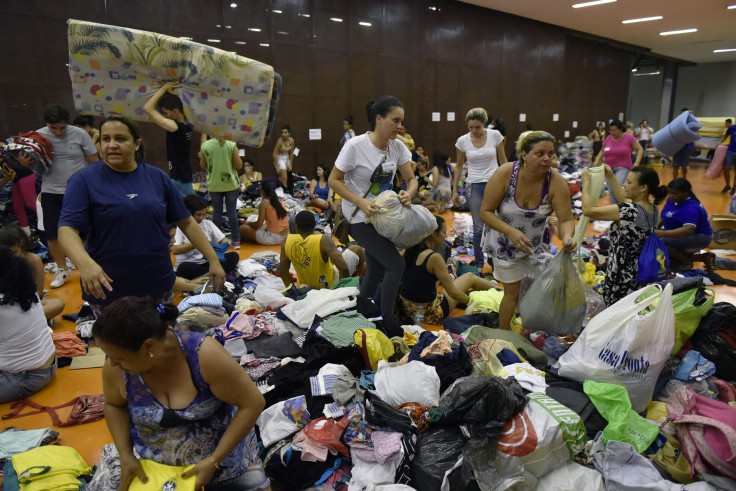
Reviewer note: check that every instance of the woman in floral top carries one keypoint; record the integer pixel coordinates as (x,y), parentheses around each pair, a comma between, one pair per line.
(634,216)
(517,201)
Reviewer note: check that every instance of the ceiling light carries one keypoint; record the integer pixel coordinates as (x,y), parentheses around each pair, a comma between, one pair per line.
(366,24)
(432,8)
(590,4)
(239,42)
(285,33)
(233,5)
(731,7)
(254,29)
(681,31)
(724,50)
(277,11)
(643,74)
(304,15)
(185,37)
(213,40)
(265,45)
(228,27)
(218,25)
(335,19)
(643,19)
(635,70)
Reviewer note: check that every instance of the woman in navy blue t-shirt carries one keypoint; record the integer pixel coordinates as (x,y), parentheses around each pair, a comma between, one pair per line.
(684,227)
(124,205)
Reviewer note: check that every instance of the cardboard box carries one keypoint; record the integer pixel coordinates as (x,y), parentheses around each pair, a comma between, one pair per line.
(724,232)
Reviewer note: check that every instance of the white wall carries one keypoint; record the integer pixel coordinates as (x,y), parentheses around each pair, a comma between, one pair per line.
(708,89)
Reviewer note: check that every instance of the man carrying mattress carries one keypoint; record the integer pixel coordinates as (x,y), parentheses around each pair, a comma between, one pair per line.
(178,134)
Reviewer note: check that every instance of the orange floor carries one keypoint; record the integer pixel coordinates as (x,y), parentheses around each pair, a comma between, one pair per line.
(89,438)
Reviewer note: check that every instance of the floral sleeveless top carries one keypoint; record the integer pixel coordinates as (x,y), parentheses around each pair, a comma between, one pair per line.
(531,221)
(186,436)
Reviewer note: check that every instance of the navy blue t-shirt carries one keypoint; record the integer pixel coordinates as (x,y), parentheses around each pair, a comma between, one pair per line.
(124,215)
(688,212)
(178,150)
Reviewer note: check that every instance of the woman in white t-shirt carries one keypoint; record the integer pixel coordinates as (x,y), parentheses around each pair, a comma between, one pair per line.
(484,152)
(366,167)
(27,353)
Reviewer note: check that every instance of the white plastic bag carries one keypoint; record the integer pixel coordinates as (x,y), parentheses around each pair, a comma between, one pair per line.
(624,345)
(419,223)
(538,439)
(555,303)
(572,476)
(413,382)
(390,217)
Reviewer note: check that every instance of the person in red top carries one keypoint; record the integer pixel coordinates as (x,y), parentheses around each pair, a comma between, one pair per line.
(272,211)
(617,149)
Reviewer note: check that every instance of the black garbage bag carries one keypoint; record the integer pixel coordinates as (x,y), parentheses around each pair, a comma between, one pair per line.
(714,348)
(721,314)
(439,450)
(482,404)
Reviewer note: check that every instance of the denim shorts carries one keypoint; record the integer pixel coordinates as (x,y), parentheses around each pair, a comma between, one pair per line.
(17,386)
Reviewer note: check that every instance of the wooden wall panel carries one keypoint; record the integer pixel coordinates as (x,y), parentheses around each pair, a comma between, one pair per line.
(448,60)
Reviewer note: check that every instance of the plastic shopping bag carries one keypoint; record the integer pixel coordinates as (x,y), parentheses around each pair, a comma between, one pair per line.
(418,224)
(555,303)
(626,344)
(624,425)
(690,307)
(654,262)
(389,219)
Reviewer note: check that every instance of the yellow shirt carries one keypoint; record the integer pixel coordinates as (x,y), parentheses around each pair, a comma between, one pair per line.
(160,475)
(305,255)
(50,467)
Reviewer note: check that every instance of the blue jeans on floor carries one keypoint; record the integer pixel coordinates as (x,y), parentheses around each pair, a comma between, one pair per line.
(231,201)
(621,173)
(477,190)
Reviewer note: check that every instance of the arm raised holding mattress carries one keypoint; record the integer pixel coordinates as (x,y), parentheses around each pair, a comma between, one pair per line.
(150,108)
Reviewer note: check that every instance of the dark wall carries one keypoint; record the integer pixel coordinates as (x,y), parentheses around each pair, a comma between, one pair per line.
(451,59)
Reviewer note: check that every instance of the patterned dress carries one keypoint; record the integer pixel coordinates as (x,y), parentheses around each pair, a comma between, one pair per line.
(186,436)
(531,221)
(627,241)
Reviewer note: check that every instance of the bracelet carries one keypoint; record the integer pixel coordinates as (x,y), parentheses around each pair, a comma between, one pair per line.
(214,462)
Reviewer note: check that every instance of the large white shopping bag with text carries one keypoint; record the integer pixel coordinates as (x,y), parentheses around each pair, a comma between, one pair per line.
(626,344)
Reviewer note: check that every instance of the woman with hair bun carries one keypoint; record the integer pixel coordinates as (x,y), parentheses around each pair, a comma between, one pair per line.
(177,398)
(634,216)
(366,167)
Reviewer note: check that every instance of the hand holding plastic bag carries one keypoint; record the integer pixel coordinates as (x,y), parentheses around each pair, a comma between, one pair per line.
(555,303)
(389,218)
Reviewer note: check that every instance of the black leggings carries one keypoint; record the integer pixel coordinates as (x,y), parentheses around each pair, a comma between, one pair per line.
(383,264)
(195,270)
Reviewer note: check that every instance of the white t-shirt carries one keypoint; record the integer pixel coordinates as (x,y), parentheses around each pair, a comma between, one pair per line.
(359,159)
(646,133)
(482,162)
(70,155)
(212,233)
(25,340)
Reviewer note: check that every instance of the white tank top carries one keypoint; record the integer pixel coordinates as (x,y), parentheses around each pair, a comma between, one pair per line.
(25,339)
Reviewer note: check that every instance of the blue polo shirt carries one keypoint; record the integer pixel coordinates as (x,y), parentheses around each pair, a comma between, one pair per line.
(124,215)
(689,212)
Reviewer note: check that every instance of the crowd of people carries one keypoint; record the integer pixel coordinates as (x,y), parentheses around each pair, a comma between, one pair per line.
(179,397)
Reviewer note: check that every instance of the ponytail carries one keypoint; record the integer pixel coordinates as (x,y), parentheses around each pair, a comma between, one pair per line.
(683,185)
(648,177)
(269,189)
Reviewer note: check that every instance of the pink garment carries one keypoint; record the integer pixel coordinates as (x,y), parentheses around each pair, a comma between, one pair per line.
(312,451)
(386,445)
(24,194)
(439,347)
(725,391)
(617,153)
(363,452)
(251,326)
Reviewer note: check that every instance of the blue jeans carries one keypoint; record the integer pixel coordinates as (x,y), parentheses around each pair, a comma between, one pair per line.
(477,190)
(621,173)
(690,244)
(184,188)
(231,202)
(17,386)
